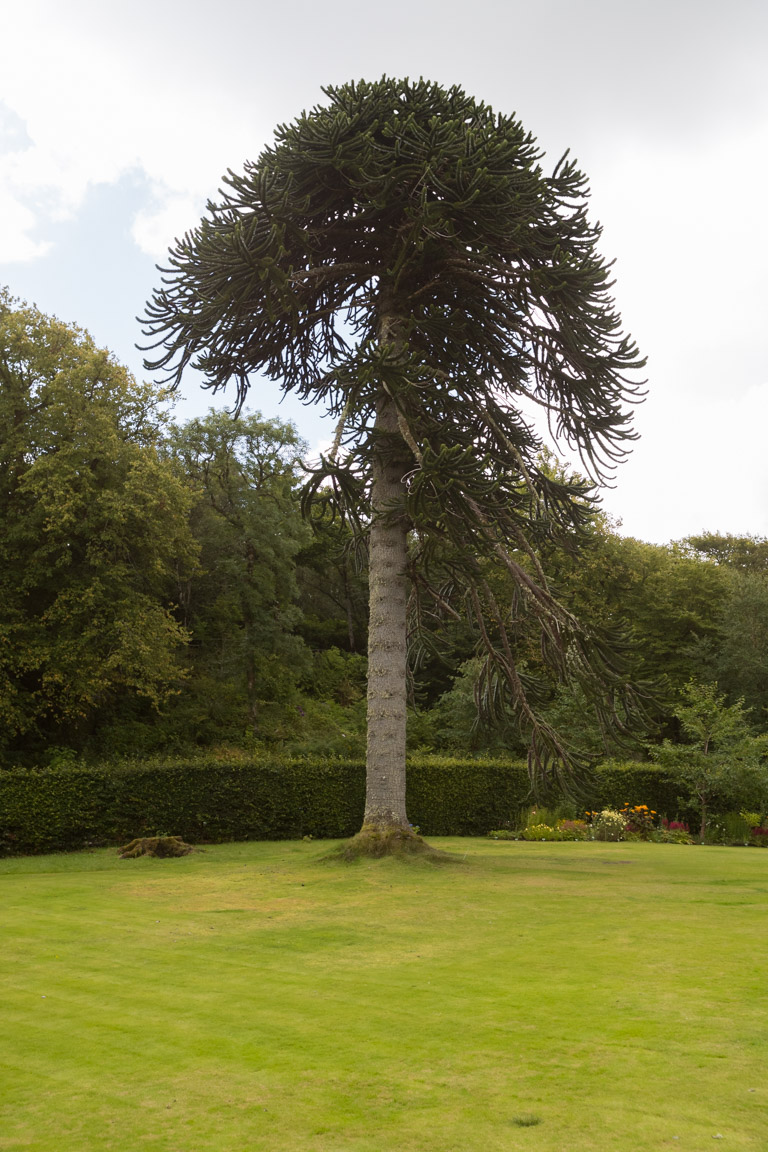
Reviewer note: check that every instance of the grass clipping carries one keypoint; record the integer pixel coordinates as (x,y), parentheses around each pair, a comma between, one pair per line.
(375,842)
(162,846)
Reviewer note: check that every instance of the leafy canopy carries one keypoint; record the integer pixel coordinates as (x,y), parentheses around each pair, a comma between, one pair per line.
(94,534)
(723,754)
(241,606)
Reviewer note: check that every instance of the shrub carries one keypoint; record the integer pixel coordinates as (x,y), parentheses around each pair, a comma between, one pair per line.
(573,829)
(607,825)
(639,820)
(736,829)
(672,835)
(238,796)
(541,832)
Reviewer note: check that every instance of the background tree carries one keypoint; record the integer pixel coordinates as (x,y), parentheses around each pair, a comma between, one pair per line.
(722,753)
(240,605)
(666,602)
(93,530)
(333,586)
(400,254)
(741,553)
(740,659)
(741,663)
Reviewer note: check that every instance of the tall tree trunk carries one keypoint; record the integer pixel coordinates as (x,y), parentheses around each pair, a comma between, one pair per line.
(385,759)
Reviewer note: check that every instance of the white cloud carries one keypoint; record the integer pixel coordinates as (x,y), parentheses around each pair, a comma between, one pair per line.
(688,228)
(92,111)
(699,466)
(154,229)
(17,227)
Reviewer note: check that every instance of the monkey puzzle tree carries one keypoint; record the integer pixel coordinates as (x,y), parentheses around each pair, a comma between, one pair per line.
(399,254)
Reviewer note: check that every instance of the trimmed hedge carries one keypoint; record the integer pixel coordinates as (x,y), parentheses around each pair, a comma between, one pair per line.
(209,799)
(201,800)
(61,809)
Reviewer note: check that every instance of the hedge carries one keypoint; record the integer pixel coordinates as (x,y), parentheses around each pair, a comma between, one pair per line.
(208,799)
(61,809)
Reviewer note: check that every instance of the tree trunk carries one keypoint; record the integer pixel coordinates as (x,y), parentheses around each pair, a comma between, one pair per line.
(385,759)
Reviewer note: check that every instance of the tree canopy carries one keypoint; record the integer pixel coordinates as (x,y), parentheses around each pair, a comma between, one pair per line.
(94,533)
(241,606)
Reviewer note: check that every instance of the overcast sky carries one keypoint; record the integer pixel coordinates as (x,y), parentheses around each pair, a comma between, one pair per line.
(118,119)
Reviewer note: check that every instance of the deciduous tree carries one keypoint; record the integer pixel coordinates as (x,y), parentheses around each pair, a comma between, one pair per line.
(722,755)
(93,530)
(241,603)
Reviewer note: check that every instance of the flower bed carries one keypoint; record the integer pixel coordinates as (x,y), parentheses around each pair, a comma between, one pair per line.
(635,822)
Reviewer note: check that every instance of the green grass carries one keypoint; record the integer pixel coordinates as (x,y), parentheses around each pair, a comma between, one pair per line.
(543,996)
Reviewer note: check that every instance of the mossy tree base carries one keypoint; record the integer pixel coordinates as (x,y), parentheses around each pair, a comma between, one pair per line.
(376,841)
(155,846)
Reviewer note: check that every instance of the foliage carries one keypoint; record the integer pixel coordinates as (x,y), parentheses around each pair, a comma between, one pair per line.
(315,728)
(740,553)
(741,661)
(337,675)
(332,575)
(562,830)
(538,814)
(671,835)
(233,794)
(607,825)
(723,756)
(574,829)
(668,601)
(94,535)
(540,832)
(737,829)
(639,819)
(738,661)
(236,796)
(616,780)
(454,722)
(753,819)
(241,605)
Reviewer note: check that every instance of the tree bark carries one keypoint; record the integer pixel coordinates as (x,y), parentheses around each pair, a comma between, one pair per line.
(387,656)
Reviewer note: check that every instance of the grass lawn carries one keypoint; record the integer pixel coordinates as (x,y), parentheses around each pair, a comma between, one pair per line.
(252,998)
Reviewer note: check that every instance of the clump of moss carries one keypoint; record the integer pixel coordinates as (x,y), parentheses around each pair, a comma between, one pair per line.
(375,841)
(155,846)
